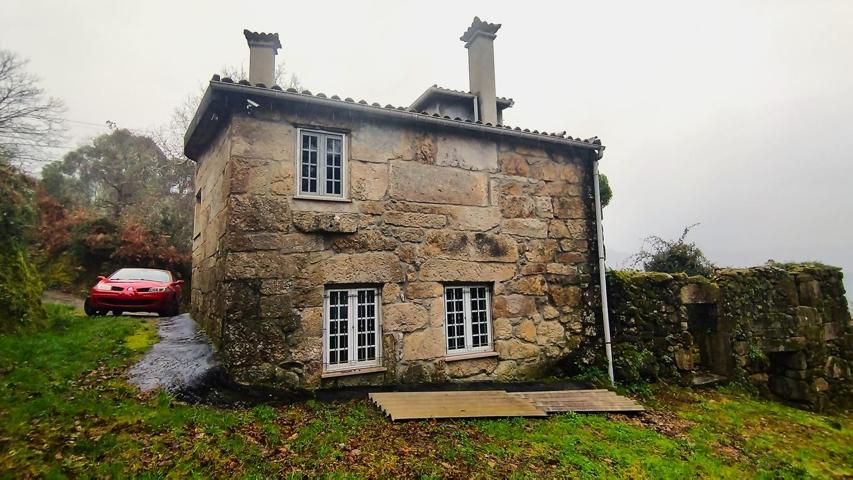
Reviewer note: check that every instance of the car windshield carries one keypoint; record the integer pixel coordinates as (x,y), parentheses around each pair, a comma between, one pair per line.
(142,274)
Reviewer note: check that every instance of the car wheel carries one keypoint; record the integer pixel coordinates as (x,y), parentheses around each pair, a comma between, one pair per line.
(90,311)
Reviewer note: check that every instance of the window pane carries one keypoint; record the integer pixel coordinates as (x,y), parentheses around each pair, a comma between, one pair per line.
(361,321)
(338,326)
(308,170)
(334,167)
(455,318)
(366,325)
(479,318)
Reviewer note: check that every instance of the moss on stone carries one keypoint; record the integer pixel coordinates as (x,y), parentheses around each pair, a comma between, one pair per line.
(764,314)
(20,293)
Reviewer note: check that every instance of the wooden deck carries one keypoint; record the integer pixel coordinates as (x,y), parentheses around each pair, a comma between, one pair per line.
(580,401)
(498,403)
(488,403)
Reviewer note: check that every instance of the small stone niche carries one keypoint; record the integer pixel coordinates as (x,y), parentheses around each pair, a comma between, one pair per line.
(711,340)
(788,376)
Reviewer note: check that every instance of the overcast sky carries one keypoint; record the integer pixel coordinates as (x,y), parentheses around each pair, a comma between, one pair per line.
(737,115)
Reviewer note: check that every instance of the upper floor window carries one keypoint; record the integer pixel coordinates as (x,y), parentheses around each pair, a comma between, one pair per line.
(468,319)
(321,164)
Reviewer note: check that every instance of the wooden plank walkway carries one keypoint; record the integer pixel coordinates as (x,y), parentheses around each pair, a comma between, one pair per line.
(498,403)
(487,403)
(580,401)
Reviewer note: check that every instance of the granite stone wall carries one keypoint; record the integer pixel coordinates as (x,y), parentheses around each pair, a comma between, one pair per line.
(785,328)
(793,334)
(426,208)
(208,253)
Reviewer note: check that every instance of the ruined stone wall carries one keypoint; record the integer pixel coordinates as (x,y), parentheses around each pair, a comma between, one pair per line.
(792,331)
(786,329)
(426,207)
(649,327)
(209,218)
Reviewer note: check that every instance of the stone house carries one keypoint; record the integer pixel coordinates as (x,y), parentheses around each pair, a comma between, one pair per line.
(339,242)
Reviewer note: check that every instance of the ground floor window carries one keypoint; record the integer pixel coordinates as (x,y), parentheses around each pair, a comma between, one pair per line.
(351,328)
(468,319)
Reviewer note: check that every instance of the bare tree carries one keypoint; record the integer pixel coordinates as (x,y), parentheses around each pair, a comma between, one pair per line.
(170,137)
(280,76)
(30,121)
(178,172)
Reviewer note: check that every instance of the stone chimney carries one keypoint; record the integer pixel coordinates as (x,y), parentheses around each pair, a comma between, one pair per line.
(263,48)
(479,40)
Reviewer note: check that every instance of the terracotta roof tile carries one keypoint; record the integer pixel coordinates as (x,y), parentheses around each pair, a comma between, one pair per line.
(262,37)
(307,93)
(435,90)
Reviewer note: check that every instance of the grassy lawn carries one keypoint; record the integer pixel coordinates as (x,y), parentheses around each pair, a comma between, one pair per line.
(65,411)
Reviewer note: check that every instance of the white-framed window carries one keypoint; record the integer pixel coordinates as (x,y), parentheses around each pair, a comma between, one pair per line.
(351,329)
(321,164)
(467,319)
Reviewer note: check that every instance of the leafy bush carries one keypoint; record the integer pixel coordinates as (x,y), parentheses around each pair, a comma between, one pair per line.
(141,247)
(604,190)
(20,285)
(674,256)
(17,210)
(20,293)
(73,248)
(632,366)
(60,272)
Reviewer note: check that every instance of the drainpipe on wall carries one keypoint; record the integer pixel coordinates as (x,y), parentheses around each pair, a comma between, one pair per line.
(605,315)
(476,109)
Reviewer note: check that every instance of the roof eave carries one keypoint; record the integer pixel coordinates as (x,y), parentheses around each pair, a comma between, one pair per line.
(203,105)
(400,113)
(433,91)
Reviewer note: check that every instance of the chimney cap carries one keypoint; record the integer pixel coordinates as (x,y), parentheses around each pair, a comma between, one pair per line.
(262,39)
(479,27)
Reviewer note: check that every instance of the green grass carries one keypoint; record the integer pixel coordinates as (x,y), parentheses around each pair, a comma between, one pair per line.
(66,411)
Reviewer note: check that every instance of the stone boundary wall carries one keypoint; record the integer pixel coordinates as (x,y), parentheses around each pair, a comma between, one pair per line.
(793,333)
(785,328)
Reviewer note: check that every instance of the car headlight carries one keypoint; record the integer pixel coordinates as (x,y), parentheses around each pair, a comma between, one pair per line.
(157,289)
(103,287)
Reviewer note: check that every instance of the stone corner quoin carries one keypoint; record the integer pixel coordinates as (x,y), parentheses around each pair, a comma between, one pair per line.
(424,207)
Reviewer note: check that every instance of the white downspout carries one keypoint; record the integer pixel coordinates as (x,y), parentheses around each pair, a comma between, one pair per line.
(605,316)
(476,109)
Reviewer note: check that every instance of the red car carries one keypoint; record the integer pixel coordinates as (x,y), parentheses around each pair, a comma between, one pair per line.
(135,290)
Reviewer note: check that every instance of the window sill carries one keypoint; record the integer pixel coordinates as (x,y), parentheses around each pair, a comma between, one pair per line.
(469,356)
(357,371)
(321,198)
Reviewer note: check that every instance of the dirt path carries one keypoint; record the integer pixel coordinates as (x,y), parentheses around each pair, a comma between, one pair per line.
(56,296)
